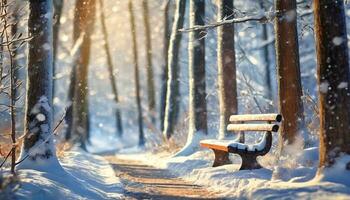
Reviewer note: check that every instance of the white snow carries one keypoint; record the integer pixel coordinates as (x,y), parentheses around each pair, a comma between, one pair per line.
(218,142)
(337,173)
(48,15)
(192,144)
(42,155)
(342,85)
(40,117)
(47,46)
(275,181)
(83,176)
(324,87)
(337,41)
(236,144)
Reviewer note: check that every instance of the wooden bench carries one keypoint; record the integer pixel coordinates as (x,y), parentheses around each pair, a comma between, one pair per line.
(267,123)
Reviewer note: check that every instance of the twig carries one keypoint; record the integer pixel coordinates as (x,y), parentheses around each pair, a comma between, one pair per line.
(251,91)
(15,41)
(7,156)
(257,18)
(310,99)
(59,122)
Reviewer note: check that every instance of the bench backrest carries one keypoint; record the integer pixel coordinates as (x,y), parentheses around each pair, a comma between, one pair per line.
(241,125)
(256,117)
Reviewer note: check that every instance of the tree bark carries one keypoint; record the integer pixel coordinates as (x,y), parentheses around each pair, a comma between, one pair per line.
(58,6)
(166,38)
(111,71)
(288,69)
(226,67)
(69,113)
(333,79)
(197,97)
(266,55)
(16,48)
(173,90)
(136,75)
(83,24)
(196,69)
(12,52)
(39,113)
(149,69)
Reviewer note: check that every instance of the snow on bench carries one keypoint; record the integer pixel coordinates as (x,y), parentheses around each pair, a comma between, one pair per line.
(248,152)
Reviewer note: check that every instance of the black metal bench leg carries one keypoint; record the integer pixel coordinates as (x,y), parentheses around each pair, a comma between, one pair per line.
(249,162)
(221,158)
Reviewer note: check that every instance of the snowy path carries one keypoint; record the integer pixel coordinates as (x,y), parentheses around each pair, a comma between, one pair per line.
(145,182)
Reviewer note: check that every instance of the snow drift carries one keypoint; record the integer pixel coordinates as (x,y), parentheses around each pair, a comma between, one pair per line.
(83,176)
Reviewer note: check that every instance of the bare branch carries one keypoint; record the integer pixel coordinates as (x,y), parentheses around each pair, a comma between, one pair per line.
(258,18)
(7,156)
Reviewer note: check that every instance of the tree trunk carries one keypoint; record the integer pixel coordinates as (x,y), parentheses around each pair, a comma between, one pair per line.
(333,80)
(58,6)
(196,65)
(12,12)
(165,69)
(2,7)
(150,76)
(69,113)
(75,54)
(38,146)
(266,55)
(173,90)
(83,23)
(136,74)
(289,82)
(198,104)
(226,67)
(111,71)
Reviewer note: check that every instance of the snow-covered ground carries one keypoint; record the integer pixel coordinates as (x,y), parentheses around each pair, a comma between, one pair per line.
(82,176)
(293,178)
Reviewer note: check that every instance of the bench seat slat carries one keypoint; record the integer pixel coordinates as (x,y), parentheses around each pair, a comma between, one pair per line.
(215,146)
(218,142)
(224,145)
(256,117)
(253,127)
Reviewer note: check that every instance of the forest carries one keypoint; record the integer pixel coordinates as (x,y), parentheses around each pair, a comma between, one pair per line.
(203,99)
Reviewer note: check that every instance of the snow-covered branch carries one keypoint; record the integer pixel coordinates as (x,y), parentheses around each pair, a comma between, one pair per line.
(261,18)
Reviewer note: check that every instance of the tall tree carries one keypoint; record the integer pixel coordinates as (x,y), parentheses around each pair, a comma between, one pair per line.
(112,77)
(12,52)
(266,55)
(288,67)
(150,77)
(197,86)
(83,24)
(164,80)
(15,47)
(136,75)
(333,79)
(173,90)
(226,66)
(58,6)
(38,146)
